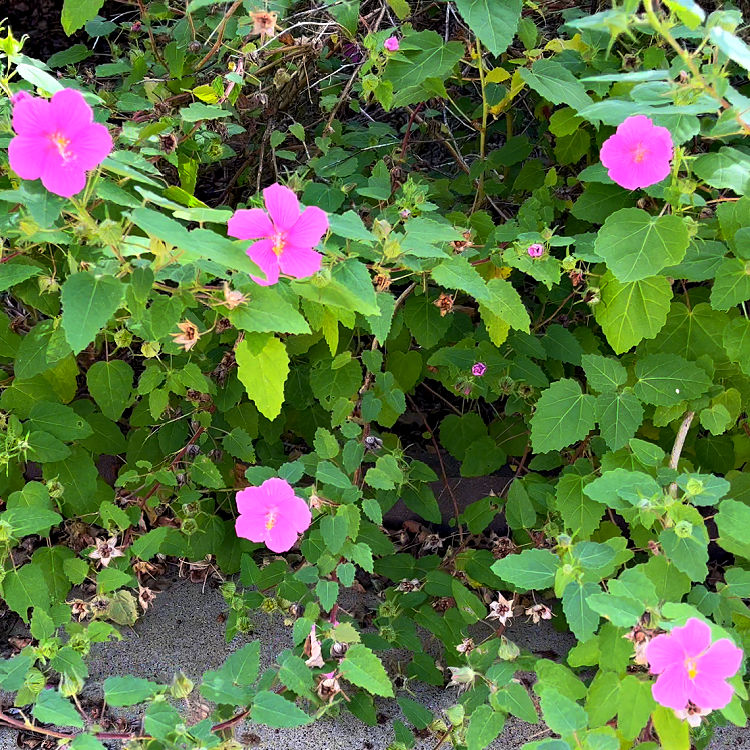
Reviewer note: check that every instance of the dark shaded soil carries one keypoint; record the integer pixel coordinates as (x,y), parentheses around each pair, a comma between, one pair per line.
(40,19)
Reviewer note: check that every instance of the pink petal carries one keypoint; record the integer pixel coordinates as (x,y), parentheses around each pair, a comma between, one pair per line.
(694,636)
(70,112)
(722,659)
(64,179)
(262,254)
(246,528)
(249,499)
(26,155)
(91,146)
(32,116)
(299,262)
(283,206)
(309,228)
(662,652)
(672,688)
(278,490)
(297,514)
(640,175)
(710,693)
(281,537)
(250,224)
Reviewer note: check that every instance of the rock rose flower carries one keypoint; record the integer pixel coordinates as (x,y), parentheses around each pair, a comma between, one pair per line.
(391,44)
(285,236)
(272,515)
(691,669)
(638,154)
(536,250)
(57,140)
(478,369)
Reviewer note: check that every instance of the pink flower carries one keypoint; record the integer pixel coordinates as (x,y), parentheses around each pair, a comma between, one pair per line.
(536,250)
(391,44)
(272,514)
(691,669)
(57,140)
(285,236)
(19,96)
(478,369)
(638,154)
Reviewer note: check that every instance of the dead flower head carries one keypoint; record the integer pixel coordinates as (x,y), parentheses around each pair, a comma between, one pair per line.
(264,22)
(188,336)
(640,638)
(328,686)
(444,303)
(466,646)
(313,650)
(106,550)
(463,677)
(79,609)
(539,612)
(233,298)
(146,597)
(501,610)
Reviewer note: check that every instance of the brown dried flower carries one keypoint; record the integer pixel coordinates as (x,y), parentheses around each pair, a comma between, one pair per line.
(188,336)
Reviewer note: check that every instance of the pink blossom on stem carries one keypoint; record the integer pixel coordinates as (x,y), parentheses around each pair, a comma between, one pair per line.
(478,369)
(638,154)
(57,140)
(536,250)
(272,514)
(285,235)
(391,44)
(691,669)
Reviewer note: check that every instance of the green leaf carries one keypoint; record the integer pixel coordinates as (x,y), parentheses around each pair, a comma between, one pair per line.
(580,513)
(263,366)
(327,593)
(732,284)
(485,725)
(619,416)
(59,420)
(25,587)
(603,373)
(362,668)
(507,305)
(274,711)
(623,612)
(78,475)
(731,45)
(77,13)
(89,301)
(673,732)
(636,245)
(562,715)
(296,675)
(556,84)
(726,168)
(688,11)
(335,530)
(203,472)
(515,699)
(531,569)
(494,23)
(127,691)
(415,712)
(457,273)
(109,385)
(25,521)
(15,273)
(733,520)
(666,379)
(422,55)
(582,620)
(602,699)
(161,720)
(563,416)
(268,312)
(629,313)
(51,708)
(198,111)
(636,705)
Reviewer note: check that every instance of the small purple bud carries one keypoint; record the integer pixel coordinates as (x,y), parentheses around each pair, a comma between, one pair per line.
(536,250)
(19,96)
(479,369)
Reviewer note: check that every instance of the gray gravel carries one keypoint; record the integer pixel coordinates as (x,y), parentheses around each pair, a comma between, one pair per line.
(182,631)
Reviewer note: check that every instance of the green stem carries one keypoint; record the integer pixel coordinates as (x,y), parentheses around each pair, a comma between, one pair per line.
(483,131)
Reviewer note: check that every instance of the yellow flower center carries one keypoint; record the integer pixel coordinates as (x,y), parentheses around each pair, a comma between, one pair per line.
(62,143)
(278,239)
(270,520)
(640,152)
(692,668)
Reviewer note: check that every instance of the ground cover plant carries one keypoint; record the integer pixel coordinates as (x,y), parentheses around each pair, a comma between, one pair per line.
(268,272)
